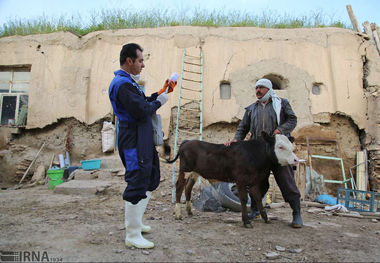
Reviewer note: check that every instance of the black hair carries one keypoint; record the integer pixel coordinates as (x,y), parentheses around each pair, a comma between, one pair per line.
(129,51)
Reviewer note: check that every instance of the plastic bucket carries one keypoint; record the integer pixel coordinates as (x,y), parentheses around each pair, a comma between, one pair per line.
(55,177)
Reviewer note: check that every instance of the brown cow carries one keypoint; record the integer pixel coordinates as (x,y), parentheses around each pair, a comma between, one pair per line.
(245,163)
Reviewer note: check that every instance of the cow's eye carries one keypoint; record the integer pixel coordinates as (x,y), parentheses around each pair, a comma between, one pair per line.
(280,147)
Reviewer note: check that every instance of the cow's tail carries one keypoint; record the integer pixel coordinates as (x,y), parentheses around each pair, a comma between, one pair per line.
(175,159)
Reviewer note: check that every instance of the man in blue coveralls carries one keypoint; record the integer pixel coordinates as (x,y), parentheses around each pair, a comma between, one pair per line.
(135,142)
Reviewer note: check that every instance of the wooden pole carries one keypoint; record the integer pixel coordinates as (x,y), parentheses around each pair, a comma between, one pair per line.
(367,29)
(353,19)
(376,36)
(27,170)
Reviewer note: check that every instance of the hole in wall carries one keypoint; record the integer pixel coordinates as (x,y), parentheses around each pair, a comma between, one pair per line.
(316,89)
(278,82)
(225,90)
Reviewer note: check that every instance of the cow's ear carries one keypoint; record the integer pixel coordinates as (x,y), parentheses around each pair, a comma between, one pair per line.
(291,139)
(267,137)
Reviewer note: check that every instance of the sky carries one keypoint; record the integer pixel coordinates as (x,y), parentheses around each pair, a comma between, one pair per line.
(364,10)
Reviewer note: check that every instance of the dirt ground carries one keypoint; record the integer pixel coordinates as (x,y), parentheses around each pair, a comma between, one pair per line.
(91,228)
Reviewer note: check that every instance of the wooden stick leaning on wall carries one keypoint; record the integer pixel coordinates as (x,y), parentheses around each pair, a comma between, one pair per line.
(368,30)
(353,19)
(376,34)
(27,170)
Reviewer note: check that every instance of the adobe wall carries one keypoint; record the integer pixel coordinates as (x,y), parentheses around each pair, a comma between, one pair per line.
(70,75)
(70,78)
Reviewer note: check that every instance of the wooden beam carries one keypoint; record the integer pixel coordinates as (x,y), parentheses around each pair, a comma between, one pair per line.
(26,172)
(361,183)
(353,19)
(367,29)
(376,36)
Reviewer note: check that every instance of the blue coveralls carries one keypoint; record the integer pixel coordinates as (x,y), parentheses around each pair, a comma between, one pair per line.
(135,141)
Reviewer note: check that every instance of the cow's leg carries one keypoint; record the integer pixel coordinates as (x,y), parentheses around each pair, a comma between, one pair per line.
(256,195)
(189,186)
(180,185)
(264,186)
(243,196)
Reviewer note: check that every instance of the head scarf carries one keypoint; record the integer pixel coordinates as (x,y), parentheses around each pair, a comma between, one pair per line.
(276,101)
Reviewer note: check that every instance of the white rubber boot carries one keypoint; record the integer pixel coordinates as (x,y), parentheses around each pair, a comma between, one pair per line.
(133,223)
(146,228)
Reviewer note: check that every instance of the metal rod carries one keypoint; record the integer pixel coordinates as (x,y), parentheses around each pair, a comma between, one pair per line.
(327,157)
(177,126)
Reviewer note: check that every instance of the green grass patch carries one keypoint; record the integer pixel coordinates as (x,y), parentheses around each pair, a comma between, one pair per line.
(122,19)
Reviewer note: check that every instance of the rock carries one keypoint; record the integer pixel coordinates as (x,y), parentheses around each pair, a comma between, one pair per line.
(351,234)
(145,252)
(295,250)
(279,248)
(103,199)
(374,220)
(272,217)
(39,175)
(271,255)
(246,254)
(110,213)
(117,251)
(189,252)
(232,220)
(314,210)
(82,187)
(80,174)
(104,175)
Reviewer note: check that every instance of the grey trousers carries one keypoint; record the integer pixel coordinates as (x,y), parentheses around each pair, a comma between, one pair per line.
(284,177)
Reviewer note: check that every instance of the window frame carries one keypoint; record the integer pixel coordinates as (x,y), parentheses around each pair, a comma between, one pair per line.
(10,93)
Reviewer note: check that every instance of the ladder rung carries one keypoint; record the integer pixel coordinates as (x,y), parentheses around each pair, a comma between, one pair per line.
(184,108)
(190,63)
(195,133)
(190,99)
(196,90)
(192,71)
(192,80)
(189,120)
(191,56)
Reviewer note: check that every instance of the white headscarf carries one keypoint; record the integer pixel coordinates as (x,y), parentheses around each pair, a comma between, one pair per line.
(276,101)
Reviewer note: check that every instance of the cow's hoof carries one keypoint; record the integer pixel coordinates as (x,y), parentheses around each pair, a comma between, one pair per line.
(294,225)
(268,221)
(249,225)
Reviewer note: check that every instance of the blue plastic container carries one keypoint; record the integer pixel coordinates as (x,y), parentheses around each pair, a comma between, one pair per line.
(90,164)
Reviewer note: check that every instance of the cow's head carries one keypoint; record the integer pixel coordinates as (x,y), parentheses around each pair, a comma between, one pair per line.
(283,149)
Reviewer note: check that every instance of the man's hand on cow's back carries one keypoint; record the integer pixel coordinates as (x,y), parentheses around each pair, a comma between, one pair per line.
(276,131)
(229,142)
